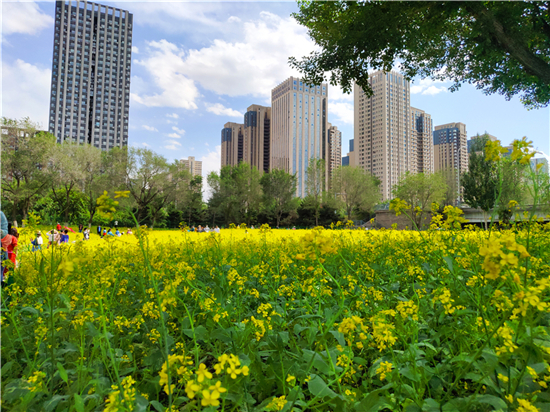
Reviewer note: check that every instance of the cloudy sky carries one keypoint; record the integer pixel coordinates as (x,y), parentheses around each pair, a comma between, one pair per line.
(197,65)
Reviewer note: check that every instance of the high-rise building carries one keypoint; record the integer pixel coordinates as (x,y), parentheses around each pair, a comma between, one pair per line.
(421,134)
(232,144)
(382,129)
(90,90)
(450,147)
(349,160)
(451,153)
(299,130)
(194,166)
(257,138)
(334,149)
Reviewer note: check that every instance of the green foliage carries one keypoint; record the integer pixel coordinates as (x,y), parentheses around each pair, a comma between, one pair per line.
(355,189)
(480,182)
(419,191)
(501,47)
(279,191)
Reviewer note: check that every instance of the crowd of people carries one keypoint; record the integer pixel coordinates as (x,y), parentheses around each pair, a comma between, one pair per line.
(59,235)
(205,229)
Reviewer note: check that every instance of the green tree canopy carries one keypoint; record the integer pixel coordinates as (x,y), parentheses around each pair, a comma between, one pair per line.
(279,189)
(354,188)
(501,47)
(420,190)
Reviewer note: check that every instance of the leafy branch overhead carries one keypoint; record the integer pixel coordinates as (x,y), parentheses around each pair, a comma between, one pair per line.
(501,47)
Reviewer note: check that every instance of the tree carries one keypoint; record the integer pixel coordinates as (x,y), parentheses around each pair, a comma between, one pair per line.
(315,185)
(24,161)
(66,171)
(152,181)
(355,188)
(279,190)
(452,194)
(420,190)
(513,186)
(501,47)
(236,193)
(480,183)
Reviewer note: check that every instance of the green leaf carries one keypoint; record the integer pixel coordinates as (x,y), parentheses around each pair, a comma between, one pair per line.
(51,404)
(158,406)
(492,400)
(62,373)
(318,387)
(78,403)
(373,402)
(410,373)
(430,405)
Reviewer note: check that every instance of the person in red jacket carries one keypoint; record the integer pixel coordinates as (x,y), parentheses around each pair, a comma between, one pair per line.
(58,227)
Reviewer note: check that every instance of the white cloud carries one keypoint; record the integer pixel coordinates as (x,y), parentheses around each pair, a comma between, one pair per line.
(146,145)
(135,50)
(432,90)
(211,163)
(336,93)
(150,128)
(165,64)
(174,142)
(172,145)
(233,19)
(428,86)
(24,18)
(173,115)
(252,66)
(174,136)
(221,110)
(342,111)
(178,130)
(26,91)
(206,144)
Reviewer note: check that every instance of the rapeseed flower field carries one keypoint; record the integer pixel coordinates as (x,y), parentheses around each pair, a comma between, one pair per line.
(279,320)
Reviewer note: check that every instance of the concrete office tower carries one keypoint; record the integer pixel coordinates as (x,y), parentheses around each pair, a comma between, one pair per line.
(450,147)
(194,166)
(232,144)
(382,131)
(90,91)
(299,129)
(257,138)
(334,149)
(422,135)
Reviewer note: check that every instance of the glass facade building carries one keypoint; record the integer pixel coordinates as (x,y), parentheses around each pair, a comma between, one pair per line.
(90,91)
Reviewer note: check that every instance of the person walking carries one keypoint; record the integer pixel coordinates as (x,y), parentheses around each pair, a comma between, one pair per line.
(50,235)
(80,227)
(86,234)
(99,230)
(37,242)
(11,248)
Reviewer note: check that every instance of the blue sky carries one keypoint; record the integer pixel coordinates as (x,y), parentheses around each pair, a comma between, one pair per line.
(197,65)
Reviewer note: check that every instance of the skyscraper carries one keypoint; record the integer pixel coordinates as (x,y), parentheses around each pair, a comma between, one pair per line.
(299,128)
(450,147)
(422,136)
(90,91)
(334,149)
(382,129)
(194,166)
(256,143)
(232,144)
(451,154)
